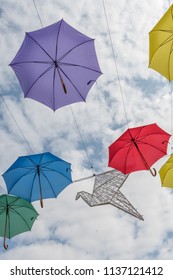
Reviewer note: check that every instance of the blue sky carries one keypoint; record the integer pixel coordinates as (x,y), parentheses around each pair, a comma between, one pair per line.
(70,227)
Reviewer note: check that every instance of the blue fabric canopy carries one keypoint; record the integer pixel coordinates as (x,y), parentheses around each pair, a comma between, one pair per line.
(39,176)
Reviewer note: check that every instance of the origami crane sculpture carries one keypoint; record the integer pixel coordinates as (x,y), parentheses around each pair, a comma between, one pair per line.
(106,191)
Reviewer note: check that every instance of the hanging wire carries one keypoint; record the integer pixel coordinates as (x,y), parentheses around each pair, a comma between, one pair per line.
(77,126)
(12,116)
(38,13)
(82,141)
(115,62)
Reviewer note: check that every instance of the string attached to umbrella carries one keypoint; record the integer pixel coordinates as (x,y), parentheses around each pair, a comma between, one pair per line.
(115,62)
(65,91)
(38,13)
(15,121)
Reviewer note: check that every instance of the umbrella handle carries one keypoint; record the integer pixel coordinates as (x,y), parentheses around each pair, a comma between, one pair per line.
(153,172)
(62,82)
(5,245)
(64,87)
(41,202)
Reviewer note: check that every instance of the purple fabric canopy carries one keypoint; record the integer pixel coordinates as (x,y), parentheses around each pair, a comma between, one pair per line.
(56,65)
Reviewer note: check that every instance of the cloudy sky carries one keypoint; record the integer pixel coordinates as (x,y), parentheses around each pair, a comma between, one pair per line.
(70,227)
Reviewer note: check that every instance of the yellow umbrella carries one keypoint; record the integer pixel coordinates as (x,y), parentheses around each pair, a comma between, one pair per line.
(161,45)
(166,173)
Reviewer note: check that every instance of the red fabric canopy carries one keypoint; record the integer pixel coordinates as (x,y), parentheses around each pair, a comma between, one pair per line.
(138,148)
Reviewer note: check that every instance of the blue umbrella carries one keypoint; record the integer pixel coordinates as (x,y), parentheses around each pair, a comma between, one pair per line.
(39,176)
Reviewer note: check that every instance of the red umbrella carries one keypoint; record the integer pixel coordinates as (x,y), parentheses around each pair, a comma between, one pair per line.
(138,149)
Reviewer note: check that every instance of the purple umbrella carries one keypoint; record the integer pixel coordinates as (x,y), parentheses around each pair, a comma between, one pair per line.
(56,65)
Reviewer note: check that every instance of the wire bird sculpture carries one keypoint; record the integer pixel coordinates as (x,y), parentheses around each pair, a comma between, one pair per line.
(106,191)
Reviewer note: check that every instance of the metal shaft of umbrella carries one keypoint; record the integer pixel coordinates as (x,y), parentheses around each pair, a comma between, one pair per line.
(153,173)
(61,79)
(5,229)
(39,181)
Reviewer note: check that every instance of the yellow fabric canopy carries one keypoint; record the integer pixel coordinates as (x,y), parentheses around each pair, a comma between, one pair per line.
(166,173)
(161,45)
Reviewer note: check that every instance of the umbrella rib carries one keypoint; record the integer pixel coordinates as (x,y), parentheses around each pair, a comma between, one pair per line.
(19,180)
(56,50)
(11,203)
(32,187)
(49,68)
(48,182)
(3,210)
(42,155)
(50,169)
(163,43)
(40,46)
(169,61)
(49,162)
(163,30)
(151,145)
(25,62)
(64,55)
(82,66)
(130,147)
(31,160)
(136,135)
(72,84)
(21,218)
(169,169)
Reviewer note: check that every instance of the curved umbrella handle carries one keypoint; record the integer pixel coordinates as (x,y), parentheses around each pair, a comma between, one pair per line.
(153,172)
(41,202)
(64,87)
(4,243)
(62,82)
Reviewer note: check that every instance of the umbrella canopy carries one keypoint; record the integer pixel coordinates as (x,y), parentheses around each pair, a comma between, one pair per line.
(39,176)
(160,45)
(56,65)
(16,216)
(166,173)
(138,148)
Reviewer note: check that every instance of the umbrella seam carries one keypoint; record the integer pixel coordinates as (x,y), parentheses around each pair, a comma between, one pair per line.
(22,219)
(48,183)
(57,40)
(82,66)
(40,46)
(32,187)
(56,172)
(64,55)
(46,71)
(19,180)
(163,43)
(169,169)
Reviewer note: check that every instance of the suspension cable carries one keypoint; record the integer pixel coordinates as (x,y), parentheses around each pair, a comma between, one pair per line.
(115,62)
(15,121)
(82,141)
(38,13)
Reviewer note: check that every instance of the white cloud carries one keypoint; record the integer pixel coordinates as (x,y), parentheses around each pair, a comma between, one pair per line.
(72,228)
